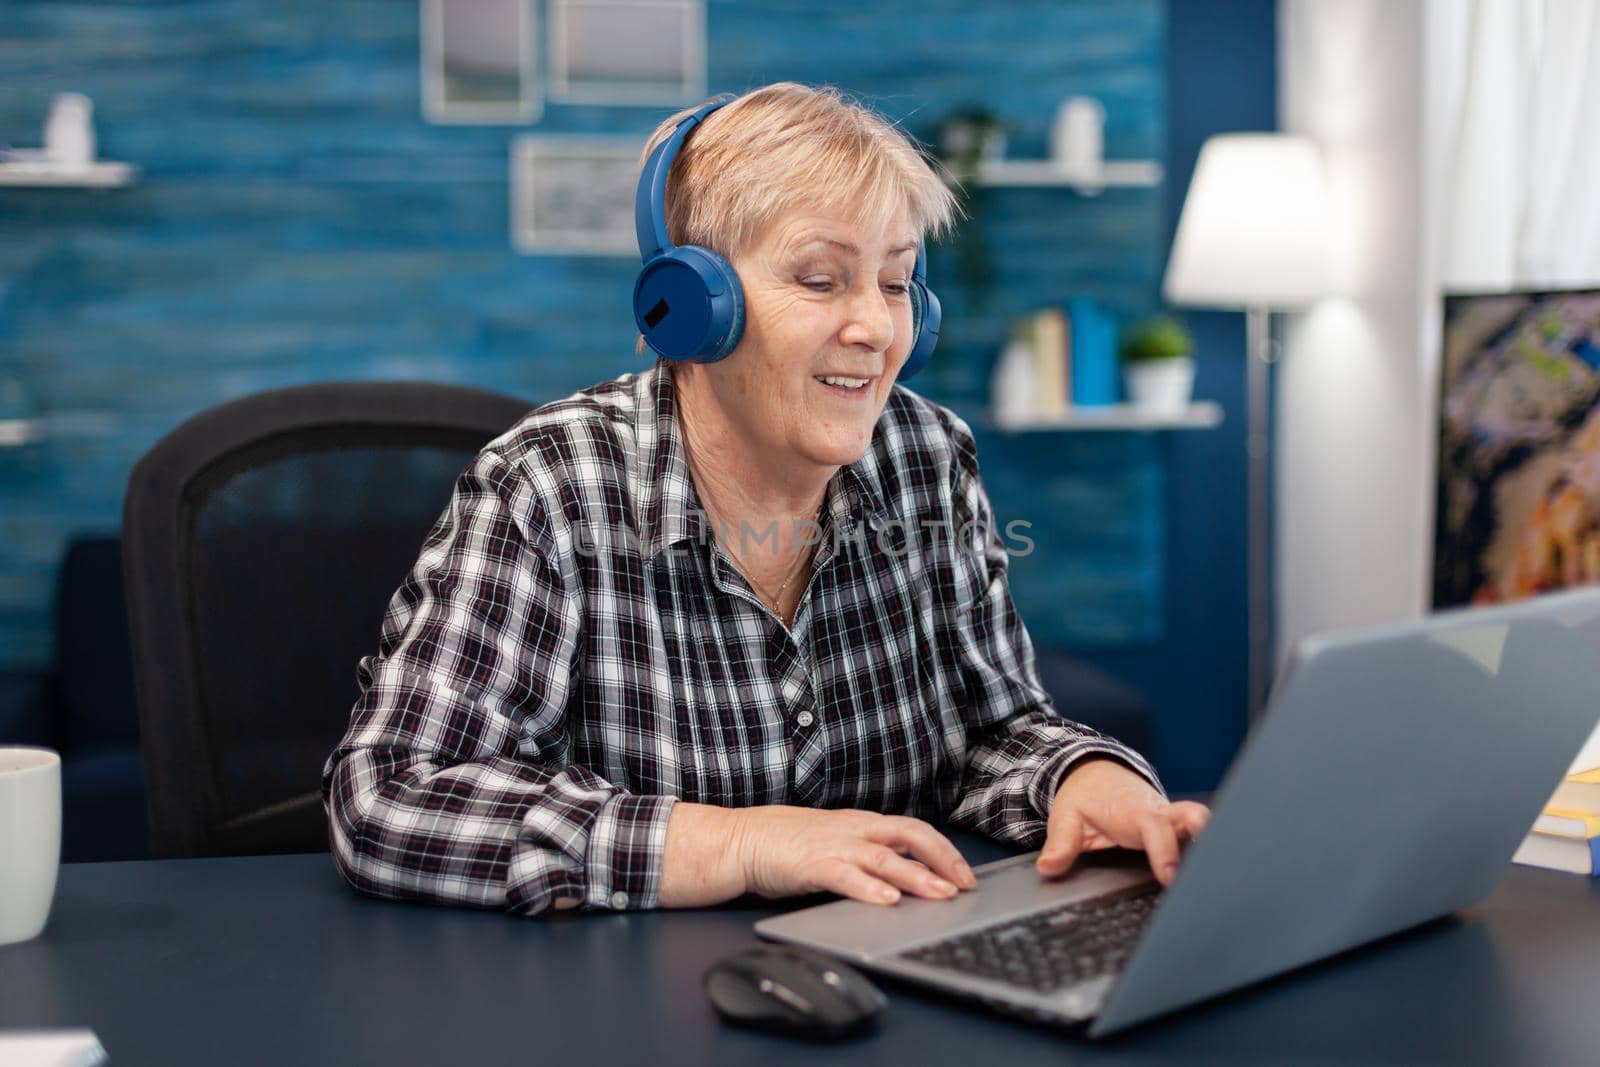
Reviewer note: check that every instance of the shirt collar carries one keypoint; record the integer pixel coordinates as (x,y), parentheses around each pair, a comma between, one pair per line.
(668,509)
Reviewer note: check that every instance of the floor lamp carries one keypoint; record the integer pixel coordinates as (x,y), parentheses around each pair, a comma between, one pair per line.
(1253,236)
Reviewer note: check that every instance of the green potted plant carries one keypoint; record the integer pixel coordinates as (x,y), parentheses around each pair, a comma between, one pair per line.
(966,137)
(1158,365)
(970,133)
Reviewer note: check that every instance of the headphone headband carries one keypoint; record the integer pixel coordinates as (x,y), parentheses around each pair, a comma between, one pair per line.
(650,205)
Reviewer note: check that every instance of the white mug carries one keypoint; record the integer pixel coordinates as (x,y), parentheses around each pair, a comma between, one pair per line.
(30,839)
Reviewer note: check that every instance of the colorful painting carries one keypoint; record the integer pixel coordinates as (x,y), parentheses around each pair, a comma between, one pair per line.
(1519,447)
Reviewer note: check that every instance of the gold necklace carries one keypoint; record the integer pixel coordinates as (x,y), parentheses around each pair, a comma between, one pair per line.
(774,599)
(804,557)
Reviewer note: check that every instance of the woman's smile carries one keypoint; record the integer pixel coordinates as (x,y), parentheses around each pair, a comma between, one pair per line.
(846,388)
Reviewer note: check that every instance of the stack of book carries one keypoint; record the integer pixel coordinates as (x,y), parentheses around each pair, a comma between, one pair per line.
(1056,360)
(1566,836)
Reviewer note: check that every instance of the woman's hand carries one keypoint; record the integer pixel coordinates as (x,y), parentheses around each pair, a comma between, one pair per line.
(860,854)
(1102,803)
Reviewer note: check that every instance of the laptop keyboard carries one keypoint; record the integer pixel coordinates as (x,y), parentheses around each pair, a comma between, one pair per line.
(1048,950)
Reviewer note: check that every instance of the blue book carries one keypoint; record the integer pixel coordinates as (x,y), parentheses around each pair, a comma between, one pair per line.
(1094,353)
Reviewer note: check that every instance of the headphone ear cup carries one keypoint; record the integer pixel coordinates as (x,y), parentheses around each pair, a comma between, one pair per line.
(926,316)
(688,305)
(731,325)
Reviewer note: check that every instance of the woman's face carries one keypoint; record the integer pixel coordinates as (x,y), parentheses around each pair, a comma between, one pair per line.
(824,298)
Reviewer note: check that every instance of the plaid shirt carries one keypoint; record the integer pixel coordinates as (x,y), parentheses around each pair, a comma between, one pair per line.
(573,652)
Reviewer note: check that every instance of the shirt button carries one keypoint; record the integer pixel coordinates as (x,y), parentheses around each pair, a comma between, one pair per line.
(805,718)
(619,899)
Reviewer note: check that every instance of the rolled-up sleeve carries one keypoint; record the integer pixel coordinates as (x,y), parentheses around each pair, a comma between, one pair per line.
(451,784)
(1018,747)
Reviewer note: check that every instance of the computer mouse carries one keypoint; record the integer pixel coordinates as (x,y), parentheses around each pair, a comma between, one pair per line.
(793,991)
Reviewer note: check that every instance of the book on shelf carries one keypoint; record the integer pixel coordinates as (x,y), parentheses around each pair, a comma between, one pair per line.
(1092,369)
(1051,373)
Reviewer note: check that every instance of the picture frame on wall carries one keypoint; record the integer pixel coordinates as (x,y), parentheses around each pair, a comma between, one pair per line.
(647,52)
(574,195)
(479,61)
(1517,508)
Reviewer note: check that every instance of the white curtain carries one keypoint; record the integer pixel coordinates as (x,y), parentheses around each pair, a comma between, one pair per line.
(1463,148)
(1515,116)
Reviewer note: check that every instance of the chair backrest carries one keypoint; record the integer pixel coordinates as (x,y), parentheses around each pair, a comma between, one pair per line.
(262,541)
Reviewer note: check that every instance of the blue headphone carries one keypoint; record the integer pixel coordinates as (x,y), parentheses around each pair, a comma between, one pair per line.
(687,300)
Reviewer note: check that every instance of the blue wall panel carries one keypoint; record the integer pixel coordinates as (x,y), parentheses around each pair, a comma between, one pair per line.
(298,221)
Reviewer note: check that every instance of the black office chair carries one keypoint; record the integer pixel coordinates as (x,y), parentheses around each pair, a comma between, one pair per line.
(262,541)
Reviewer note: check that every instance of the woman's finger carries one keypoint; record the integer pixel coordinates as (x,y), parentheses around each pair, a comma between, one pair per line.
(1190,818)
(889,866)
(924,843)
(1063,841)
(1160,844)
(849,880)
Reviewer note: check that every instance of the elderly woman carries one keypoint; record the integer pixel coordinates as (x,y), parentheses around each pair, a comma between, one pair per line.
(740,622)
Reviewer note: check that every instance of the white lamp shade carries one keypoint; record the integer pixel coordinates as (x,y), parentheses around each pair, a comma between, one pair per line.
(1254,229)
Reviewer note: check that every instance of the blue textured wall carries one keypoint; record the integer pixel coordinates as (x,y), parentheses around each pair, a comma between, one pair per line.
(297,220)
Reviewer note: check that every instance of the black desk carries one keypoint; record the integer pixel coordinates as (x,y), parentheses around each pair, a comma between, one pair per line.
(273,961)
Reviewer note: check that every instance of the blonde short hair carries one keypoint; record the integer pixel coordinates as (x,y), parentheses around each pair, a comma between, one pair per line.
(788,145)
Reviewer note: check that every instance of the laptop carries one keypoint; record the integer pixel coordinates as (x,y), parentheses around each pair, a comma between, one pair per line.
(1396,770)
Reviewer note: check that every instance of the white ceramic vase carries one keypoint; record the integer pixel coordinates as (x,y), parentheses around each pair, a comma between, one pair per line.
(1161,386)
(69,130)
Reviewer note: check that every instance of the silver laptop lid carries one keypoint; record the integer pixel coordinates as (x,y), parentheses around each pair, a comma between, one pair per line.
(1396,770)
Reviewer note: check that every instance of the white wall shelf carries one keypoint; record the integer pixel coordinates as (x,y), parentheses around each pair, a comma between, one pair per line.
(57,425)
(1045,172)
(41,174)
(1201,415)
(14,432)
